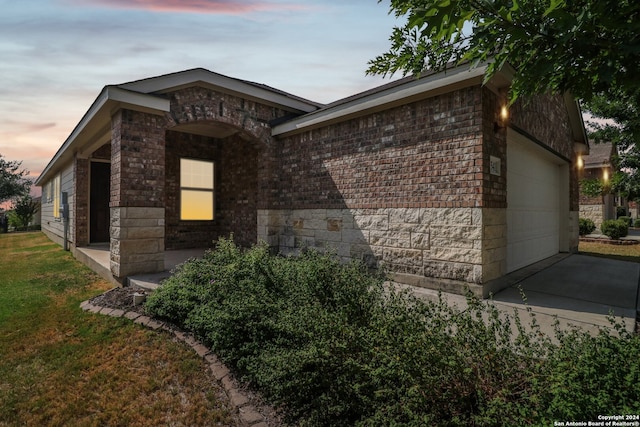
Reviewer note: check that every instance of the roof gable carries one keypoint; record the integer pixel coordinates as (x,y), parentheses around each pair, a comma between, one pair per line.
(205,78)
(600,155)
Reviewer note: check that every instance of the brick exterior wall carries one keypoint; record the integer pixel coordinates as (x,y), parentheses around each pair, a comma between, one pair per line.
(243,163)
(137,159)
(236,195)
(137,193)
(81,201)
(494,143)
(424,154)
(409,188)
(202,105)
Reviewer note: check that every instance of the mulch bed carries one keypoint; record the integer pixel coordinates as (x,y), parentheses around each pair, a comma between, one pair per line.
(121,298)
(608,241)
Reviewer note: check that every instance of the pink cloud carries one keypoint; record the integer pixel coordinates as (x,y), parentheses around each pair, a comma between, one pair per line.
(228,7)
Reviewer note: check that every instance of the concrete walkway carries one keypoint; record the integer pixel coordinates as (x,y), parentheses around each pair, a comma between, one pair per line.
(98,259)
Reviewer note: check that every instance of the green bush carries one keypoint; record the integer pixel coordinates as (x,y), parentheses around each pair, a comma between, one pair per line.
(586,226)
(333,347)
(621,211)
(636,223)
(626,219)
(615,228)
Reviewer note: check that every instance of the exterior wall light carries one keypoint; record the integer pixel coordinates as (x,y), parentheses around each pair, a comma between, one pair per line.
(502,119)
(580,161)
(504,113)
(605,175)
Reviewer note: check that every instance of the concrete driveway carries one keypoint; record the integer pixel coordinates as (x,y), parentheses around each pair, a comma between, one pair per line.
(581,290)
(577,290)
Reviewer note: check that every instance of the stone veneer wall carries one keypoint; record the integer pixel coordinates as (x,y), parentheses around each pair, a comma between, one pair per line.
(594,212)
(442,248)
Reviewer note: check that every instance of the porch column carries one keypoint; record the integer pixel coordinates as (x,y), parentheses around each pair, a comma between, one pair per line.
(81,202)
(137,193)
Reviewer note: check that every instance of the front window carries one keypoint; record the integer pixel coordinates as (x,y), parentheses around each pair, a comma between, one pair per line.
(196,190)
(56,196)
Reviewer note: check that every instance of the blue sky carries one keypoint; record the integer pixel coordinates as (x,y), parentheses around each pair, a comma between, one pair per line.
(56,55)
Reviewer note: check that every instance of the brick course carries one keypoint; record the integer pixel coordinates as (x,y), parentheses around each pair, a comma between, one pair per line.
(137,159)
(81,201)
(424,154)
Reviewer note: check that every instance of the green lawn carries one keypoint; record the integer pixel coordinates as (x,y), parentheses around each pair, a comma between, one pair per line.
(61,366)
(621,252)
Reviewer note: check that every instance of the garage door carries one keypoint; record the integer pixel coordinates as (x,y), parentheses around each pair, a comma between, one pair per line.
(533,202)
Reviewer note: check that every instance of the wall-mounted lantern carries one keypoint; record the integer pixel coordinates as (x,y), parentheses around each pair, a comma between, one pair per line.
(581,150)
(503,117)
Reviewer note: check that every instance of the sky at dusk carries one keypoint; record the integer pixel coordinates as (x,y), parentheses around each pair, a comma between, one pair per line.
(57,55)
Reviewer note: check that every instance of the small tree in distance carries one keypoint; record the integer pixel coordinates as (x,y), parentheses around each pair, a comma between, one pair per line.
(13,181)
(24,211)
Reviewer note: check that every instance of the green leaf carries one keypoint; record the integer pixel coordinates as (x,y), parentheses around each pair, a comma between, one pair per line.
(554,4)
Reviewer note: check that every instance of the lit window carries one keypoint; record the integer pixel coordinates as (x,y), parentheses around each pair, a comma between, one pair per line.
(56,196)
(196,190)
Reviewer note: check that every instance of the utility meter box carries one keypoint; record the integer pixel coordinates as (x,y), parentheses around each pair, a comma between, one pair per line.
(64,206)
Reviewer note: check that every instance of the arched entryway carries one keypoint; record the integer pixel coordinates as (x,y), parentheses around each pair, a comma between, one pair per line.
(233,158)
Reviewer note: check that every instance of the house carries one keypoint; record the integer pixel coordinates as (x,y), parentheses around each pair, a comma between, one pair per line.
(432,177)
(598,164)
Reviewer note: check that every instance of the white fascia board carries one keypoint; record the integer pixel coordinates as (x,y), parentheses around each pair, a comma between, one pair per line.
(171,82)
(138,101)
(415,89)
(575,120)
(99,112)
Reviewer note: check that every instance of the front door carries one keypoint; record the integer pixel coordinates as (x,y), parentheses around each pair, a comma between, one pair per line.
(99,202)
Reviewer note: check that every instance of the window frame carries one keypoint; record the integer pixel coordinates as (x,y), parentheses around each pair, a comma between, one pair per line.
(199,189)
(56,196)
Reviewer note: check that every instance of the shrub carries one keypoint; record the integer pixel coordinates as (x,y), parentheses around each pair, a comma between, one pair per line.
(586,226)
(615,228)
(621,211)
(333,347)
(626,219)
(636,223)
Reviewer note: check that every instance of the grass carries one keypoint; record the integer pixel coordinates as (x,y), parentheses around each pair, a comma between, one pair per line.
(620,252)
(62,366)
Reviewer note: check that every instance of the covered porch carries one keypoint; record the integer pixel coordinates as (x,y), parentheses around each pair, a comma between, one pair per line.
(97,257)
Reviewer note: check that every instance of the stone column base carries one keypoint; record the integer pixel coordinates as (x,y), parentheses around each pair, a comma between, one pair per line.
(137,240)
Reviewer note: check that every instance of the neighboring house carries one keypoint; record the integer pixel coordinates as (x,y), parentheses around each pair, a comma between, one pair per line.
(598,164)
(431,177)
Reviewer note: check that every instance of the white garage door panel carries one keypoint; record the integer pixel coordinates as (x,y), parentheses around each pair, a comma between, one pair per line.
(533,205)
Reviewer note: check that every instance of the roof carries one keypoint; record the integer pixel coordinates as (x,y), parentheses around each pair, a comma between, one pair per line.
(170,82)
(386,96)
(599,155)
(147,95)
(413,88)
